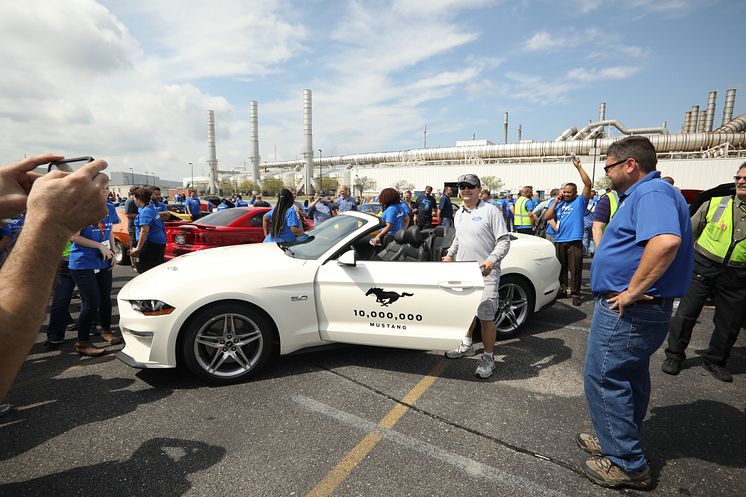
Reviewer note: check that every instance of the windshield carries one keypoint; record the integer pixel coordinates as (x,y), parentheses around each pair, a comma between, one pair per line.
(221,218)
(369,208)
(313,244)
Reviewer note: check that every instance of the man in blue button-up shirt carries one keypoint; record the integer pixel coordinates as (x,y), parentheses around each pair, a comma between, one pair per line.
(645,260)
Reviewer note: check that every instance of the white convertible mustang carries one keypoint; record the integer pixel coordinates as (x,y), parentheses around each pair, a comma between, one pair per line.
(224,312)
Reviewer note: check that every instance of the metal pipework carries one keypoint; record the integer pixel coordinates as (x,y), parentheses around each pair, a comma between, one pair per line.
(693,142)
(730,100)
(520,132)
(693,117)
(568,133)
(711,101)
(582,134)
(602,111)
(685,124)
(505,126)
(737,125)
(308,141)
(212,160)
(702,125)
(254,133)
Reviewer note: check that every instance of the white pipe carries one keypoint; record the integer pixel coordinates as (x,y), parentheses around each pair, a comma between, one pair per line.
(734,125)
(582,134)
(254,133)
(711,101)
(568,133)
(212,160)
(693,117)
(663,143)
(308,141)
(730,100)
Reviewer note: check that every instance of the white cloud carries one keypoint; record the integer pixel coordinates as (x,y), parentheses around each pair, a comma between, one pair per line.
(585,75)
(543,41)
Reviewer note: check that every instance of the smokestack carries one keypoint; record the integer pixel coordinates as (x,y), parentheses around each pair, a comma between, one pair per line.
(506,127)
(212,160)
(664,124)
(254,133)
(520,132)
(730,100)
(701,127)
(693,119)
(685,124)
(602,111)
(711,99)
(308,140)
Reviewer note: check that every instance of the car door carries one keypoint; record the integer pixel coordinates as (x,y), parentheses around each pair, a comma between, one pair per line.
(414,305)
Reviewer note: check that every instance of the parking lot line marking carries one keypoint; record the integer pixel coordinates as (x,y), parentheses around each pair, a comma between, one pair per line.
(475,469)
(342,470)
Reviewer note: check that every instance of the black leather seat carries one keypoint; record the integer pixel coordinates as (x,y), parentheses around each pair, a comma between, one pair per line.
(408,245)
(440,241)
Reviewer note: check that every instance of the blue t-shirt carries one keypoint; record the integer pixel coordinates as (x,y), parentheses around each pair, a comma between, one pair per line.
(222,206)
(148,215)
(192,206)
(12,230)
(346,204)
(425,205)
(286,234)
(241,203)
(446,207)
(321,212)
(550,230)
(649,208)
(394,215)
(159,206)
(405,208)
(570,215)
(90,258)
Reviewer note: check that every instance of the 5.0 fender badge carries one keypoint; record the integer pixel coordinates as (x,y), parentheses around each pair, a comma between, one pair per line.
(385,298)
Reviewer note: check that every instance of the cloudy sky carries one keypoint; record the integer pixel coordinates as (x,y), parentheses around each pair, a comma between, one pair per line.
(131,81)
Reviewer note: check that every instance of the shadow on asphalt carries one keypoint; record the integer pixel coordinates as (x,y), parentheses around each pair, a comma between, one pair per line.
(160,466)
(704,429)
(51,408)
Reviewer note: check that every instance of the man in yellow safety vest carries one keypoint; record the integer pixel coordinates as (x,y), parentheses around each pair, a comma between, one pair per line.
(719,268)
(523,219)
(602,214)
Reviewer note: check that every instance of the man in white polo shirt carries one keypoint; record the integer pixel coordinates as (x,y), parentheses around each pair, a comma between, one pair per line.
(481,235)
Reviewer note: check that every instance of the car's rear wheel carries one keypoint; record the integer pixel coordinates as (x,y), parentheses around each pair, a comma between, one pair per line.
(515,306)
(121,255)
(227,342)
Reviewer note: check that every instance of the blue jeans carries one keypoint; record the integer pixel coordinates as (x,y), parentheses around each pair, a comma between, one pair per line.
(589,247)
(446,222)
(95,300)
(617,375)
(59,312)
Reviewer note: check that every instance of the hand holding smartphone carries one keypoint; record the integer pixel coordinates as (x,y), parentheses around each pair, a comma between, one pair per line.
(69,165)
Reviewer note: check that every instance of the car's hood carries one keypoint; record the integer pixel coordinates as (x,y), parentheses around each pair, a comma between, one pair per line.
(213,267)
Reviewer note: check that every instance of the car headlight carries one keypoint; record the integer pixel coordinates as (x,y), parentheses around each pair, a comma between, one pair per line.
(151,307)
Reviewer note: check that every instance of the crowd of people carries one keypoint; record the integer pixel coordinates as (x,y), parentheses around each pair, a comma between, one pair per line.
(57,235)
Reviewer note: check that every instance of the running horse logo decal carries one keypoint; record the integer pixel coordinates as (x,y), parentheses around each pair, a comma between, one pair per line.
(385,298)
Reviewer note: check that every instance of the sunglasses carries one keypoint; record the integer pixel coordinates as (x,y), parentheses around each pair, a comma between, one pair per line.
(466,186)
(739,178)
(607,168)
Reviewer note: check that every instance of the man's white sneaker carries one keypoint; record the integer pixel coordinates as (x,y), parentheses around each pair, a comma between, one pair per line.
(462,351)
(486,367)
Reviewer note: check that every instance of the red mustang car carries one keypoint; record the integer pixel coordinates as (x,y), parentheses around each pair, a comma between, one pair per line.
(233,226)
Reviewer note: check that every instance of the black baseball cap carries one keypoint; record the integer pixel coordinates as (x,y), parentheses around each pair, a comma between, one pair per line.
(471,179)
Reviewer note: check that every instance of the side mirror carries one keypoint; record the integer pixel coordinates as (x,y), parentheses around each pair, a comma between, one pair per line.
(347,259)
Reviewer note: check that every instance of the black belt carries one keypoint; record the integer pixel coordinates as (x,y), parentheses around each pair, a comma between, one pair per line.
(654,300)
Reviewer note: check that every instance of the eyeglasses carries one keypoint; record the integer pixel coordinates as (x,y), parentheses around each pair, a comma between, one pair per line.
(606,168)
(739,178)
(466,186)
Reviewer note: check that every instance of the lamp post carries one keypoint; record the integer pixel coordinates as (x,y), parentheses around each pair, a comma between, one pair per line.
(319,189)
(152,173)
(192,184)
(132,175)
(146,178)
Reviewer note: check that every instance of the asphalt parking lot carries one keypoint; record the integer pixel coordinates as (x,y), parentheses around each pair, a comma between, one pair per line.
(361,421)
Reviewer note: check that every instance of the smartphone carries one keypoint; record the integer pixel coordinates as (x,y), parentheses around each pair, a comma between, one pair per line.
(572,157)
(69,165)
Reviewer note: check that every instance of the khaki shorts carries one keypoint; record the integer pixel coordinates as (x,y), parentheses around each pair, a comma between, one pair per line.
(489,304)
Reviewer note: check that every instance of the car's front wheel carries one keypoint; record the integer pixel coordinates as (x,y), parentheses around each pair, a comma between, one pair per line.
(121,255)
(227,342)
(516,301)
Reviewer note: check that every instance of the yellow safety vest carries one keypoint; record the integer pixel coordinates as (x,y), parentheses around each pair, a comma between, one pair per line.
(613,205)
(521,215)
(716,241)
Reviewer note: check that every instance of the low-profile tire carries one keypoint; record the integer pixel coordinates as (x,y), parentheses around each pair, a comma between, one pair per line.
(227,343)
(121,254)
(516,303)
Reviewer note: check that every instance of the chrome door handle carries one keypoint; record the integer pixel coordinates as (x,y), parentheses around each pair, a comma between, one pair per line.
(455,285)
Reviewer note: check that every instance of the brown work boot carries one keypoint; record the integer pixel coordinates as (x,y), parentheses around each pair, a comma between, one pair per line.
(602,471)
(88,349)
(111,338)
(588,443)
